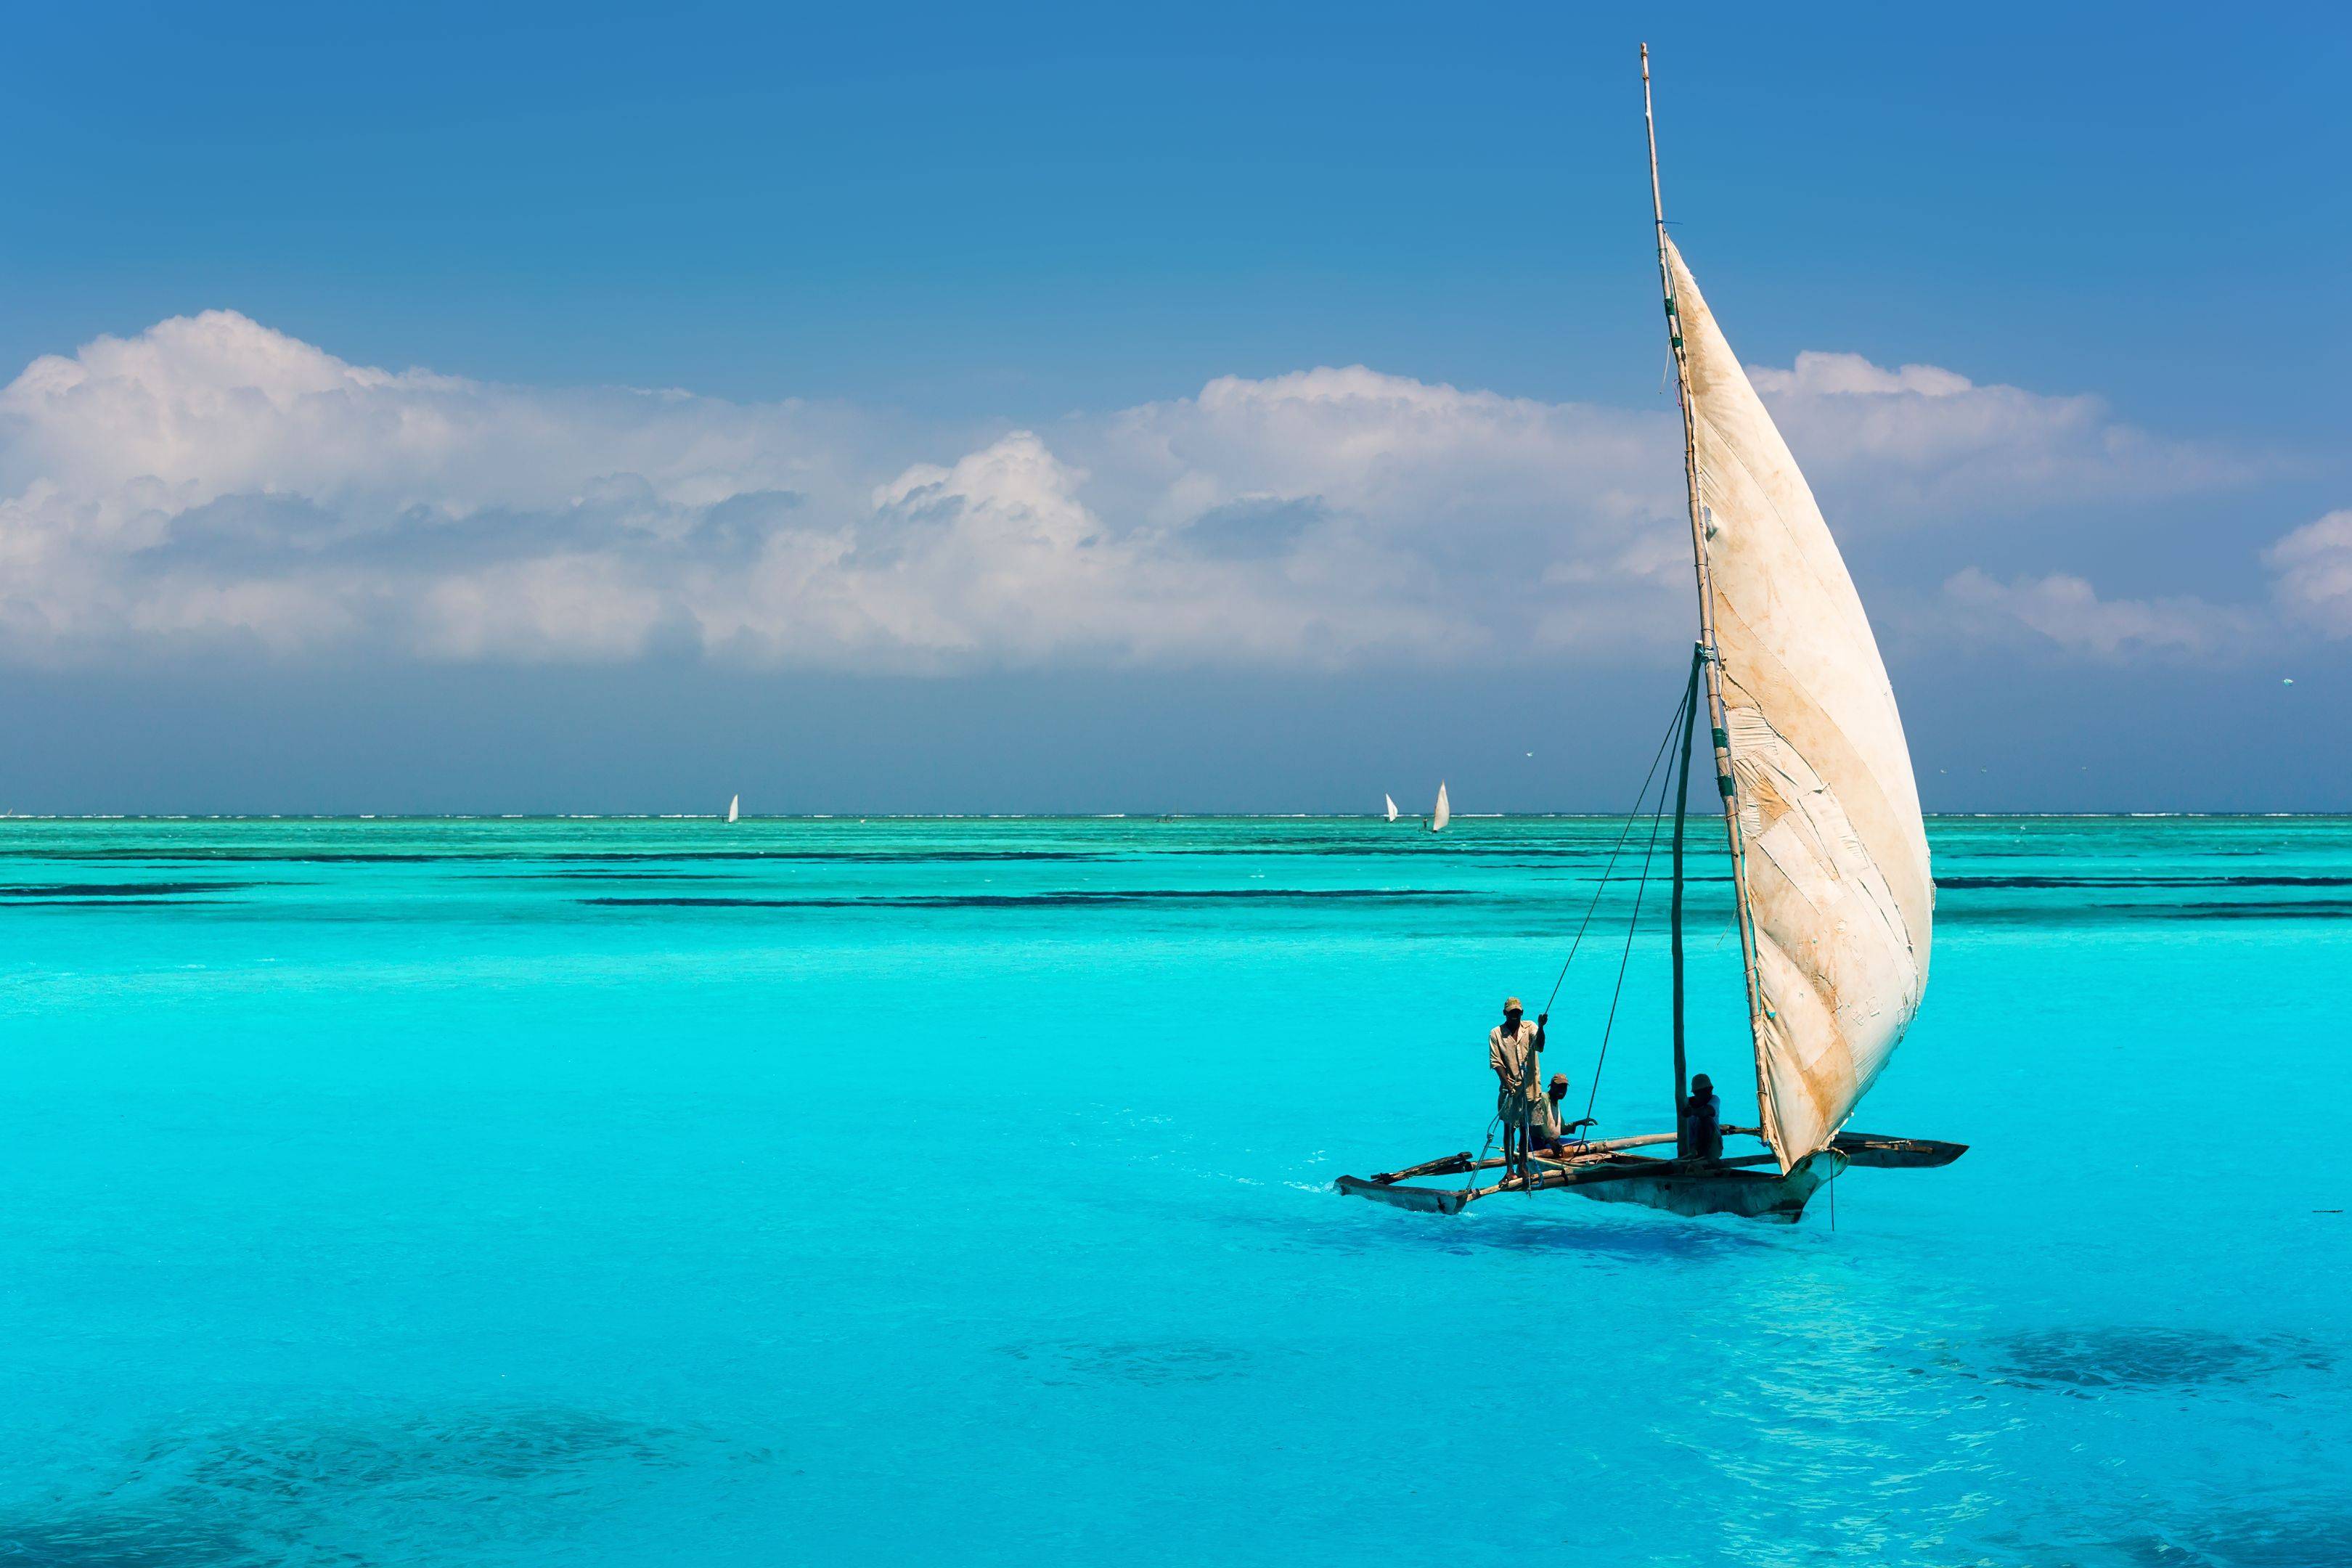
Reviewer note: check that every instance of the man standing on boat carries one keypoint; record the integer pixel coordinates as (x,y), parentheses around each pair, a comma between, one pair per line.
(1514,1050)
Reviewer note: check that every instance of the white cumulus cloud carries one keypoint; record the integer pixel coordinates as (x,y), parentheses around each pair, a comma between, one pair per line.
(211,481)
(1920,440)
(2067,611)
(2312,571)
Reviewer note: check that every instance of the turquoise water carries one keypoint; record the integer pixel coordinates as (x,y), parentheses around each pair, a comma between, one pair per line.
(628,1192)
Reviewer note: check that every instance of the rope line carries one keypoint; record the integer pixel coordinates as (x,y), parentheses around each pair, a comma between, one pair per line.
(1609,871)
(1633,924)
(1608,874)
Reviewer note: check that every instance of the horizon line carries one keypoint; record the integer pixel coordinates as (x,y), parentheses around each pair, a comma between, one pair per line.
(720,817)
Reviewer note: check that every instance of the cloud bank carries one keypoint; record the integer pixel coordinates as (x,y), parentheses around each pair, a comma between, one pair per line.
(211,482)
(2067,612)
(1922,442)
(2313,573)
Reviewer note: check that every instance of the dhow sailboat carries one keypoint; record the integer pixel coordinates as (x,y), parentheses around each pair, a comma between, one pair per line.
(1832,891)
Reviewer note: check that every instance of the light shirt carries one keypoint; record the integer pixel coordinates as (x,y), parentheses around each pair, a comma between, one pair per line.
(1545,1117)
(1512,1057)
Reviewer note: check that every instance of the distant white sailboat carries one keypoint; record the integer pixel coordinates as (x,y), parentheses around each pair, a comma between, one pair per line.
(734,807)
(1391,800)
(1443,814)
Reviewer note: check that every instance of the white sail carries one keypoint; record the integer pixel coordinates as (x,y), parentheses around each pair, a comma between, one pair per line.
(1443,814)
(1833,862)
(734,805)
(1391,800)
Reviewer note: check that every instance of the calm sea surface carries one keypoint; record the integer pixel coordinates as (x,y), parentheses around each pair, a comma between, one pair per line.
(631,1191)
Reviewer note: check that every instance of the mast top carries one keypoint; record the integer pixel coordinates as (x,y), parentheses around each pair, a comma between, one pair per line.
(1650,123)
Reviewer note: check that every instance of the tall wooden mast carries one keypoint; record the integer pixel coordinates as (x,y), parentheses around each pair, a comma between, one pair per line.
(1681,797)
(1709,658)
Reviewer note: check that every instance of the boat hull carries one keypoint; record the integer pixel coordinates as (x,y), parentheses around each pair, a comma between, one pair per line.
(1884,1153)
(1421,1200)
(1767,1196)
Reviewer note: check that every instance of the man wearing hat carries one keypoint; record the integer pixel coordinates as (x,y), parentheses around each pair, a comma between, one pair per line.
(1549,1133)
(1513,1049)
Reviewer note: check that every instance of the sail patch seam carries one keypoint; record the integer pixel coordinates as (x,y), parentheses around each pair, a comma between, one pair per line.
(1886,907)
(1880,801)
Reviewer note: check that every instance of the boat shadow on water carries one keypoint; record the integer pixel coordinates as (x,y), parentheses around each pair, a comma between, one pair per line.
(1638,1236)
(1542,1223)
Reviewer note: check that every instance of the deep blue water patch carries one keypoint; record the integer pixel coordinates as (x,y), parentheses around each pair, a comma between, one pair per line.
(2153,1358)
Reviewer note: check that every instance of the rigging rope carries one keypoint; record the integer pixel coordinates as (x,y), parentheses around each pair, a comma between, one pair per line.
(1633,924)
(1608,873)
(1608,870)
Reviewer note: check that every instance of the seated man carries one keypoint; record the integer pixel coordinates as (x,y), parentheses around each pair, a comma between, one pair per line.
(1702,1129)
(1545,1131)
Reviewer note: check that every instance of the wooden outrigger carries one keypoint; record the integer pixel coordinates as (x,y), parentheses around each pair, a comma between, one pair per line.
(1608,1171)
(1831,889)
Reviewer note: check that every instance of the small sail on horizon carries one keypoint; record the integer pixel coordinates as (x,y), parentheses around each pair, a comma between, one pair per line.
(1829,850)
(734,805)
(1391,801)
(1443,814)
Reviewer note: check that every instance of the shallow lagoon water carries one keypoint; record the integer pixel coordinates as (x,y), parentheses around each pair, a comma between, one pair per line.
(624,1190)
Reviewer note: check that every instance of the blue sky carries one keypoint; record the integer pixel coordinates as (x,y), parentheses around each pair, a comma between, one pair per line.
(926,283)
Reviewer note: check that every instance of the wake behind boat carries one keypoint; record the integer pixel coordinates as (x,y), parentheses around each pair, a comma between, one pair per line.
(1832,891)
